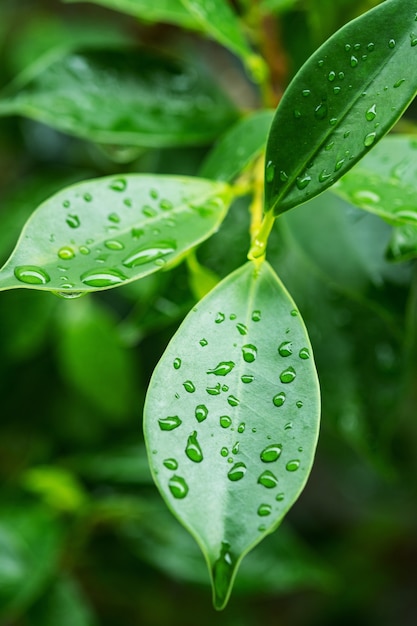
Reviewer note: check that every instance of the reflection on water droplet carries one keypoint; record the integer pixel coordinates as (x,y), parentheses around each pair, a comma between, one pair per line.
(225,421)
(247,378)
(213,391)
(65,253)
(241,427)
(271,453)
(292,466)
(222,369)
(285,348)
(149,254)
(224,452)
(177,363)
(268,479)
(102,278)
(304,353)
(178,487)
(249,352)
(31,275)
(264,510)
(269,172)
(220,317)
(233,401)
(242,328)
(201,412)
(171,464)
(237,472)
(302,181)
(189,386)
(288,375)
(73,221)
(113,244)
(170,422)
(369,139)
(279,399)
(193,449)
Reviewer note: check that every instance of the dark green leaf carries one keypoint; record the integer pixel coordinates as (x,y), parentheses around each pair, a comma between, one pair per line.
(105,232)
(63,604)
(231,417)
(403,243)
(342,101)
(160,101)
(238,148)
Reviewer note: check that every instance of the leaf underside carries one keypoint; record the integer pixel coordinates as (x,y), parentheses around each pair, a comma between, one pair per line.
(342,101)
(231,418)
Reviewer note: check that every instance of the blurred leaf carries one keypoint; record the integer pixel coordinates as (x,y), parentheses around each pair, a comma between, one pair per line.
(128,465)
(160,101)
(57,487)
(62,605)
(29,550)
(344,99)
(385,181)
(277,6)
(238,147)
(218,386)
(105,232)
(202,280)
(403,243)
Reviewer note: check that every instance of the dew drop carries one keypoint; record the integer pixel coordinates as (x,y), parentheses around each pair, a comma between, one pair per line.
(285,348)
(201,412)
(320,112)
(270,172)
(102,278)
(241,427)
(292,466)
(304,353)
(225,388)
(371,113)
(193,449)
(333,121)
(369,139)
(222,369)
(235,449)
(213,391)
(353,61)
(66,204)
(268,479)
(247,378)
(256,316)
(169,423)
(302,181)
(165,205)
(84,250)
(113,244)
(264,510)
(222,574)
(149,211)
(225,421)
(341,75)
(331,76)
(320,63)
(279,399)
(178,487)
(249,352)
(220,317)
(113,217)
(391,43)
(347,47)
(306,92)
(171,464)
(337,90)
(283,176)
(31,275)
(177,363)
(65,253)
(271,453)
(297,113)
(339,164)
(242,328)
(119,184)
(154,194)
(233,401)
(399,83)
(413,39)
(224,452)
(371,46)
(73,221)
(203,342)
(87,197)
(146,254)
(189,386)
(288,375)
(299,404)
(237,472)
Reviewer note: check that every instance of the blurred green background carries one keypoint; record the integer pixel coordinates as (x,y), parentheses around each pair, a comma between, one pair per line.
(85,539)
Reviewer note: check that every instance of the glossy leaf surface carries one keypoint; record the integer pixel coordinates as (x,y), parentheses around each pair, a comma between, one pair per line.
(231,418)
(385,181)
(238,148)
(160,101)
(342,101)
(105,232)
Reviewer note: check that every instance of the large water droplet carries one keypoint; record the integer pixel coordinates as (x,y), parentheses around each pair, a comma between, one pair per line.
(237,472)
(371,113)
(369,139)
(149,254)
(268,479)
(73,221)
(66,253)
(302,181)
(178,487)
(222,369)
(279,399)
(189,386)
(170,422)
(225,421)
(193,449)
(285,348)
(102,278)
(271,453)
(288,375)
(171,464)
(264,510)
(31,275)
(292,466)
(201,412)
(249,352)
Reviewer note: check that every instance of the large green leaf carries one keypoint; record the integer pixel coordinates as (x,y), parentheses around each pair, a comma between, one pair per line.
(342,101)
(160,101)
(238,147)
(231,418)
(105,232)
(385,181)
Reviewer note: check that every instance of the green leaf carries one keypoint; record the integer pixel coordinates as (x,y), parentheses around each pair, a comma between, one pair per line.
(385,181)
(63,604)
(106,232)
(342,101)
(403,243)
(231,418)
(238,147)
(160,101)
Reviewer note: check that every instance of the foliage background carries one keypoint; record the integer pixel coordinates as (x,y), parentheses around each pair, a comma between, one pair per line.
(84,537)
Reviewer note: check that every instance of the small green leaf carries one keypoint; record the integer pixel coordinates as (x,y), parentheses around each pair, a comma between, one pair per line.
(160,101)
(106,232)
(342,101)
(246,418)
(385,181)
(238,147)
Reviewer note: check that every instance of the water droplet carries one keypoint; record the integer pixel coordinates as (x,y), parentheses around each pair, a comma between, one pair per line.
(339,164)
(84,250)
(178,487)
(288,375)
(193,449)
(249,352)
(270,172)
(304,353)
(170,422)
(149,211)
(203,342)
(337,90)
(171,464)
(113,244)
(233,401)
(31,275)
(268,479)
(73,221)
(302,181)
(271,453)
(222,574)
(222,369)
(213,391)
(242,328)
(331,76)
(146,254)
(391,43)
(306,92)
(165,205)
(153,193)
(347,47)
(65,253)
(285,348)
(399,83)
(102,278)
(283,176)
(297,113)
(353,61)
(232,316)
(369,139)
(264,510)
(225,421)
(177,363)
(241,427)
(87,197)
(256,316)
(299,404)
(224,452)
(320,63)
(119,184)
(113,217)
(292,466)
(333,121)
(371,46)
(371,113)
(220,317)
(279,399)
(413,39)
(235,449)
(237,472)
(320,112)
(247,378)
(201,412)
(225,388)
(189,386)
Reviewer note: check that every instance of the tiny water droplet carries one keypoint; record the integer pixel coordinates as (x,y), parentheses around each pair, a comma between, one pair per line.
(353,61)
(222,369)
(256,316)
(241,427)
(224,452)
(220,317)
(268,479)
(193,449)
(201,412)
(339,164)
(213,391)
(225,421)
(249,352)
(171,464)
(84,250)
(320,112)
(177,363)
(331,76)
(178,487)
(65,253)
(341,75)
(371,113)
(153,193)
(279,399)
(264,510)
(391,43)
(369,139)
(66,204)
(119,184)
(337,90)
(283,176)
(149,211)
(233,401)
(347,47)
(288,375)
(165,205)
(288,426)
(297,113)
(413,39)
(306,92)
(113,244)
(225,388)
(320,63)
(292,466)
(235,449)
(279,497)
(333,121)
(203,342)
(73,221)
(371,46)
(285,348)
(399,83)
(237,472)
(303,181)
(31,275)
(150,254)
(113,217)
(299,404)
(304,353)
(270,172)
(271,453)
(170,422)
(102,278)
(242,328)
(232,316)
(247,378)
(87,197)
(189,386)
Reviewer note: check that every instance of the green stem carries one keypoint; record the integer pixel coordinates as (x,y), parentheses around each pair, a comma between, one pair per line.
(260,239)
